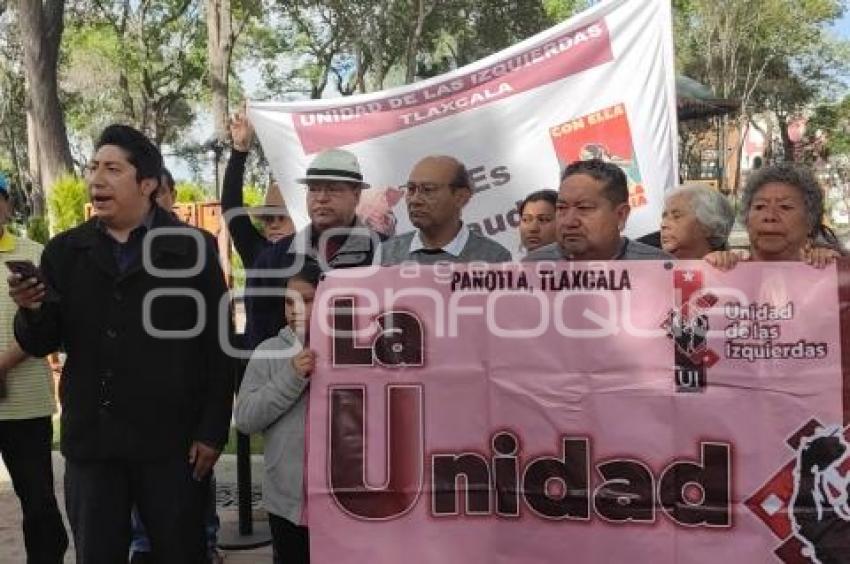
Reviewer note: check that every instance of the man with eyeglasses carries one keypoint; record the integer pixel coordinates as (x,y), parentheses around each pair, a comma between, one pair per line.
(335,237)
(436,192)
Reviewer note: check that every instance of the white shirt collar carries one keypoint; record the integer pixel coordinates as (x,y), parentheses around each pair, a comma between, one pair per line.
(454,247)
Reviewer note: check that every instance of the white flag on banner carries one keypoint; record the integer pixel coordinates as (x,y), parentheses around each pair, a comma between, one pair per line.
(601,84)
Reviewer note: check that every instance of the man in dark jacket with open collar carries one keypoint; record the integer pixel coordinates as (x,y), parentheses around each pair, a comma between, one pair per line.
(133,298)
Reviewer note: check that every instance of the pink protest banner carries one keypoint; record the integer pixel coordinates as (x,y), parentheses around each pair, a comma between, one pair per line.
(582,412)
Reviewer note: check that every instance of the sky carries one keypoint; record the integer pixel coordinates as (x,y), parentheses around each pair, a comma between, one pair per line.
(842,27)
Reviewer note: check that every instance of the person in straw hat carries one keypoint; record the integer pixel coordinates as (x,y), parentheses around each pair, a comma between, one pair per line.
(248,240)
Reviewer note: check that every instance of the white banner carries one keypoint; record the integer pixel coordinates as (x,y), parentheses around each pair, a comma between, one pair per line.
(601,84)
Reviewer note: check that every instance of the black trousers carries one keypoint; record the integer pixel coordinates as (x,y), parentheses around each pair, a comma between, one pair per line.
(290,543)
(100,494)
(25,446)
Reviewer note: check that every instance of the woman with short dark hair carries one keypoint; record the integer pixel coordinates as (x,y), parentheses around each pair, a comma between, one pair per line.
(782,207)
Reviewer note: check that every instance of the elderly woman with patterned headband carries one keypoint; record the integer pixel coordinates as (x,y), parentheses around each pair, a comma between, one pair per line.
(696,221)
(783,208)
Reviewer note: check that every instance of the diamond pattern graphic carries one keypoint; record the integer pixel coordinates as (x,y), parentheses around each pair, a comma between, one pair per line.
(772,502)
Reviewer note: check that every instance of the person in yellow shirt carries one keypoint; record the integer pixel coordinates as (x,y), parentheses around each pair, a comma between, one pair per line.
(26,407)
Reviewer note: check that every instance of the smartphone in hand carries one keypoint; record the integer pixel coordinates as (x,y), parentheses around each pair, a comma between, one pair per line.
(25,269)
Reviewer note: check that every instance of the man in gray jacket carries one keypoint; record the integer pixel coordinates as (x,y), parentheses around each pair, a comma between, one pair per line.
(590,215)
(436,191)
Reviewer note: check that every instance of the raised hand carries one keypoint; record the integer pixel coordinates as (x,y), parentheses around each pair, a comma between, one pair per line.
(241,132)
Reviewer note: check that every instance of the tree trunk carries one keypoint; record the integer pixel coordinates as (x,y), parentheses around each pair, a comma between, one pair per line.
(220,49)
(413,41)
(17,165)
(787,144)
(317,88)
(220,46)
(767,133)
(35,192)
(41,24)
(739,149)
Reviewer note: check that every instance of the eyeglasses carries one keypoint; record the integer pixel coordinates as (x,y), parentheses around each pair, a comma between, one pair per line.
(428,190)
(331,188)
(267,219)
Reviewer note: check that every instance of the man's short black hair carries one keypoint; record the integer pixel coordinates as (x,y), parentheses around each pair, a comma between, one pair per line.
(547,195)
(616,188)
(141,153)
(310,272)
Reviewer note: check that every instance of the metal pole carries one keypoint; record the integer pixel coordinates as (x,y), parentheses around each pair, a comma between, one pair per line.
(246,535)
(217,150)
(243,483)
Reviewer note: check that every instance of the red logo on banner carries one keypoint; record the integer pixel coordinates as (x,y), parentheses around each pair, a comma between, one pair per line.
(687,325)
(805,504)
(604,134)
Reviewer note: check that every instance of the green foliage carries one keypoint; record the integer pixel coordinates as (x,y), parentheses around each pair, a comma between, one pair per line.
(13,126)
(237,269)
(37,230)
(477,28)
(189,192)
(731,44)
(137,63)
(13,228)
(253,195)
(257,443)
(775,58)
(559,10)
(67,203)
(91,57)
(833,120)
(372,44)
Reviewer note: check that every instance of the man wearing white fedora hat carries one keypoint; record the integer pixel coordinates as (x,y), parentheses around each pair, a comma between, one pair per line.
(335,237)
(333,182)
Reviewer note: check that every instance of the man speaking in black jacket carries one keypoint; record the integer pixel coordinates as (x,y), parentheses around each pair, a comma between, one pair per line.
(133,297)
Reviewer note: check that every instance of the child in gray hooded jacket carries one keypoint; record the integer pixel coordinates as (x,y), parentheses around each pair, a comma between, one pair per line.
(273,400)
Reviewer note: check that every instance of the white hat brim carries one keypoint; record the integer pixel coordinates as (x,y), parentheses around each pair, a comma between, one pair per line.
(307,179)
